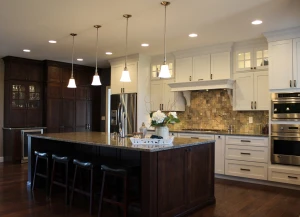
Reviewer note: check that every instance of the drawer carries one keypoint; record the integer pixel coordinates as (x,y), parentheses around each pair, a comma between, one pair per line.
(247,153)
(246,140)
(246,169)
(289,177)
(196,135)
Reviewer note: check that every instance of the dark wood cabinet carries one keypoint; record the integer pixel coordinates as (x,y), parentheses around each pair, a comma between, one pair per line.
(190,183)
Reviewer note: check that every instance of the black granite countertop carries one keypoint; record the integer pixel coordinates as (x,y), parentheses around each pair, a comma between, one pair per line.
(105,140)
(236,133)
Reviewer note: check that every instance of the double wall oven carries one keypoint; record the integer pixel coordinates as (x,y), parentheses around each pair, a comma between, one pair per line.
(285,138)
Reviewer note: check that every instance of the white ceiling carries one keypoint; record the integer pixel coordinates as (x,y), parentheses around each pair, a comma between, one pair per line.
(31,23)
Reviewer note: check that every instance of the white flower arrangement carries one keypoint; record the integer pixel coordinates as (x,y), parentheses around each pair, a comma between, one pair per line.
(159,118)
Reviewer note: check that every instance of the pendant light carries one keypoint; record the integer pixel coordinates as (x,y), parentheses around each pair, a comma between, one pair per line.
(96,78)
(125,74)
(72,83)
(164,69)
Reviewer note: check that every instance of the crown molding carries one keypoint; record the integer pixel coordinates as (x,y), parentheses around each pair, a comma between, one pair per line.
(283,34)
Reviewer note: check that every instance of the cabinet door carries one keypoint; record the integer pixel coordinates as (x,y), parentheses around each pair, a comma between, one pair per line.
(244,91)
(54,90)
(81,119)
(260,58)
(131,87)
(171,176)
(200,184)
(156,95)
(281,64)
(54,74)
(184,69)
(243,60)
(201,68)
(54,109)
(219,154)
(168,103)
(296,62)
(68,93)
(220,65)
(68,115)
(261,91)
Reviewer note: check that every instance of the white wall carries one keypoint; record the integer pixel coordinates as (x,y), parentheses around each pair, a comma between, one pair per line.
(1,107)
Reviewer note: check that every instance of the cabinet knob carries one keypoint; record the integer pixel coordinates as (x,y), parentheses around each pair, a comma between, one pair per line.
(251,68)
(290,83)
(190,78)
(254,67)
(295,83)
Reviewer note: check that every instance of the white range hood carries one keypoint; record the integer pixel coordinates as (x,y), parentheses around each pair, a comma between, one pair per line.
(187,87)
(202,85)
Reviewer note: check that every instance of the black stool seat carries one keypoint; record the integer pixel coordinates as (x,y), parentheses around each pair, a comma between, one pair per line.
(83,164)
(114,169)
(41,154)
(61,159)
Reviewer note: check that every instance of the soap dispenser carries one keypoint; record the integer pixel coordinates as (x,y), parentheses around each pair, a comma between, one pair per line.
(143,129)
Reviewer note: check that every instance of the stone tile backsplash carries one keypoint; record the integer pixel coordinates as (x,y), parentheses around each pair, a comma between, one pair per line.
(212,110)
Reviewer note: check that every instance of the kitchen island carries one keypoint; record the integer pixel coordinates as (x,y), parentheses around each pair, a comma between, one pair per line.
(175,179)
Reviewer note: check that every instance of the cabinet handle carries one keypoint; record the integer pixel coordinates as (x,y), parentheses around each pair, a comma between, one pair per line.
(190,78)
(245,140)
(292,177)
(200,79)
(251,104)
(245,153)
(290,83)
(194,137)
(219,137)
(211,76)
(245,169)
(295,83)
(254,67)
(254,104)
(162,105)
(251,68)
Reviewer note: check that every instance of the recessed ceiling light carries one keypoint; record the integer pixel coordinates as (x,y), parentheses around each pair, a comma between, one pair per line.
(108,53)
(26,50)
(145,45)
(52,42)
(256,22)
(79,59)
(193,35)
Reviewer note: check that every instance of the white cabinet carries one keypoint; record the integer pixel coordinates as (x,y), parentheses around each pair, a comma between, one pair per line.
(281,65)
(184,69)
(201,68)
(116,84)
(251,91)
(296,62)
(285,174)
(204,67)
(196,136)
(155,69)
(219,154)
(162,98)
(220,66)
(251,59)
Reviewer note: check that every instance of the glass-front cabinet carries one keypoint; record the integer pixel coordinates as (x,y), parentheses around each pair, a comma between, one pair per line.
(252,59)
(25,95)
(155,69)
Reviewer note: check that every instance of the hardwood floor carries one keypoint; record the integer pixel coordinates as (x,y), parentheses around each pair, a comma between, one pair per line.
(234,199)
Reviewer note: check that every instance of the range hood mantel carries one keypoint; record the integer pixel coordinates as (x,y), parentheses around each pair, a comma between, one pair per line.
(203,85)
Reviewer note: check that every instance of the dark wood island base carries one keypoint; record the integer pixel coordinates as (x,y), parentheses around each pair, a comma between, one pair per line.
(175,180)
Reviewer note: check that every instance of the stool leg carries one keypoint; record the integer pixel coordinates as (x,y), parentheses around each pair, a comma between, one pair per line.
(91,191)
(125,202)
(73,187)
(34,175)
(67,182)
(47,178)
(52,178)
(101,195)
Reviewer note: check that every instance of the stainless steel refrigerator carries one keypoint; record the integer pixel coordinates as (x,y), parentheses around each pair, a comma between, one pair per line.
(123,114)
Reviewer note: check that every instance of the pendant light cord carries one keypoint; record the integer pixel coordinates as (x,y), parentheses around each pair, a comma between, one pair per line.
(126,44)
(97,53)
(165,58)
(72,57)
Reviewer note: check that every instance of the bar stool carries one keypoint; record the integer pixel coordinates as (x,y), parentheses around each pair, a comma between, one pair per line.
(86,166)
(116,171)
(44,156)
(65,161)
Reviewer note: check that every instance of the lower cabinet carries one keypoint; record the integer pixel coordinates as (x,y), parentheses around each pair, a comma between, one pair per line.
(290,175)
(191,183)
(219,154)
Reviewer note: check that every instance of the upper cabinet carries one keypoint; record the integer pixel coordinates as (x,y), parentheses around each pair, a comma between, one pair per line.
(117,85)
(251,59)
(204,67)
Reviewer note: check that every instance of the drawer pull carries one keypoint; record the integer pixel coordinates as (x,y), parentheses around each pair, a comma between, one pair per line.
(245,140)
(292,177)
(245,169)
(194,137)
(245,153)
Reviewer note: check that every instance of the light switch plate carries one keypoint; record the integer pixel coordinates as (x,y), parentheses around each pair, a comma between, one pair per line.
(250,120)
(102,118)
